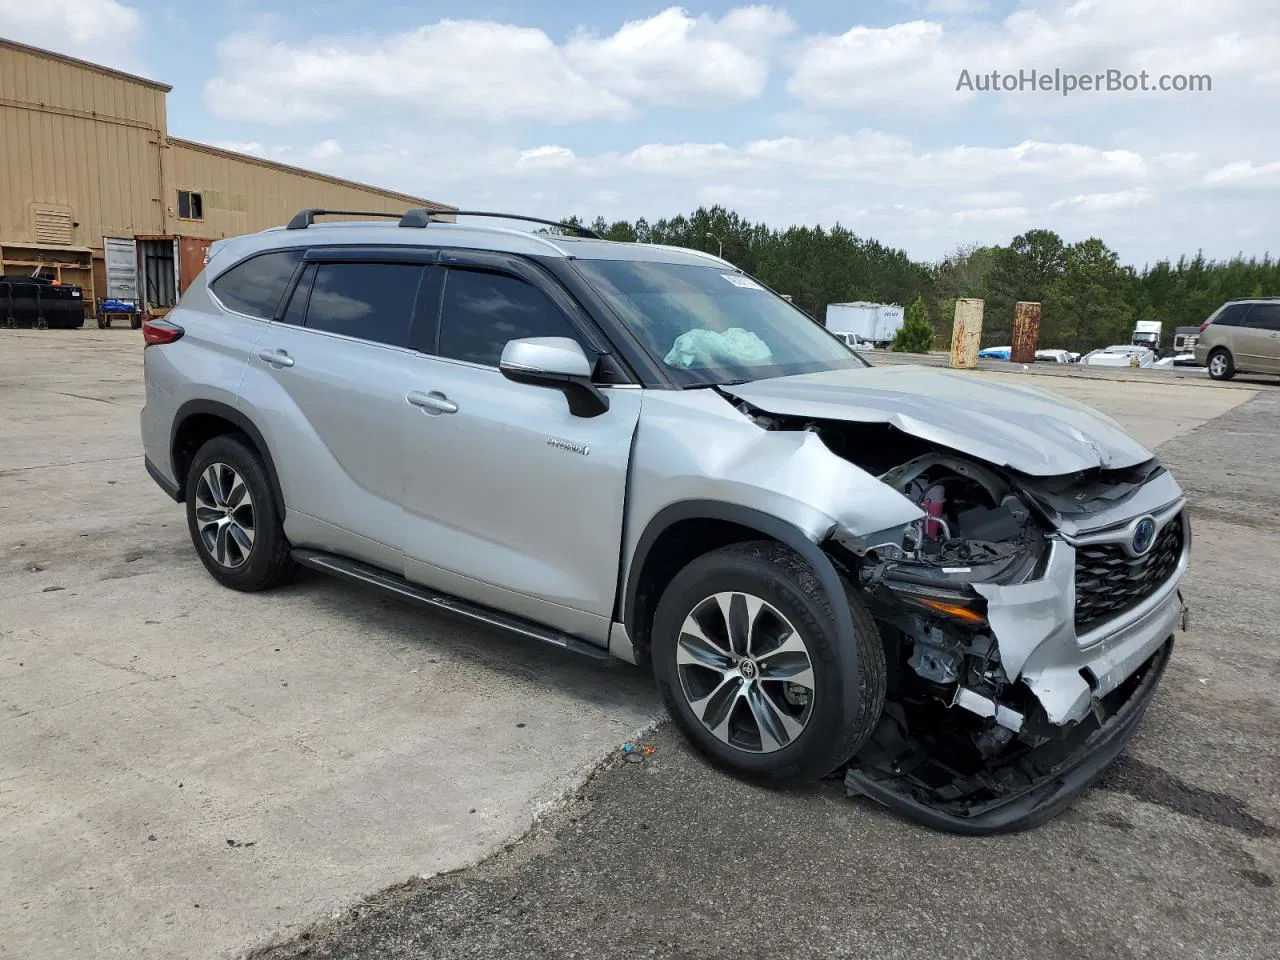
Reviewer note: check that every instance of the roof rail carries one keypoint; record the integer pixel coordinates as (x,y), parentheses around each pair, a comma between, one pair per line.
(422,216)
(304,218)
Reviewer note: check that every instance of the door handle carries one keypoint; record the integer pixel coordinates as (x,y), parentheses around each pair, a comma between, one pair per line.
(277,358)
(434,402)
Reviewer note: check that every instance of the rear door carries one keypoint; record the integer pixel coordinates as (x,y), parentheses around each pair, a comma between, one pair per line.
(1252,343)
(1263,330)
(326,383)
(510,500)
(121,255)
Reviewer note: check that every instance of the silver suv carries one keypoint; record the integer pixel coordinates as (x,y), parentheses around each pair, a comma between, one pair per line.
(959,593)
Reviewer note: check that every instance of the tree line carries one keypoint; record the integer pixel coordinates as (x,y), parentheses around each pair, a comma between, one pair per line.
(1089,299)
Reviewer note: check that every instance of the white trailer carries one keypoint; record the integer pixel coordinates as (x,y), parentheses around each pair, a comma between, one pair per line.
(875,323)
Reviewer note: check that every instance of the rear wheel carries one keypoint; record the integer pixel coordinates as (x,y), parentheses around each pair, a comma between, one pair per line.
(748,661)
(1221,364)
(233,517)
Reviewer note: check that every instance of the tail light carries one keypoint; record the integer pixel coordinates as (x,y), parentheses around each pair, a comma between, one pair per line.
(1204,326)
(160,331)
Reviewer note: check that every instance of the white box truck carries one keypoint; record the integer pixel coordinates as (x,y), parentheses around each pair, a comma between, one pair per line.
(875,323)
(1146,333)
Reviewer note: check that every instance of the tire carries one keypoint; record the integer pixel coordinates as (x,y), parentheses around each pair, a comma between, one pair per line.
(135,322)
(233,517)
(1221,365)
(828,722)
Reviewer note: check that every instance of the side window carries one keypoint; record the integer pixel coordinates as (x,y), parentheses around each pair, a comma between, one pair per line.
(372,301)
(1232,316)
(256,285)
(483,311)
(1265,316)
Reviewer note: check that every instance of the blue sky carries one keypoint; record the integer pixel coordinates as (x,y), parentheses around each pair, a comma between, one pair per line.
(800,112)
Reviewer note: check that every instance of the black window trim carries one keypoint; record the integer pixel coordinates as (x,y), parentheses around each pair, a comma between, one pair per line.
(534,273)
(282,309)
(284,296)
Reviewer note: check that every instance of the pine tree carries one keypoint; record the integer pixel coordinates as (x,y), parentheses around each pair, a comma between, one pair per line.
(916,334)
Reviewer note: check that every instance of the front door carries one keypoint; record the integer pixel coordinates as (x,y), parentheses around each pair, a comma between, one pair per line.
(510,499)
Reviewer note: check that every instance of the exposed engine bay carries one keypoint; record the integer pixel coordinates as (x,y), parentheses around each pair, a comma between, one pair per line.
(964,732)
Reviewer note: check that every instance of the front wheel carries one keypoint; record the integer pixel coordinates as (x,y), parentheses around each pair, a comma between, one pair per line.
(1221,365)
(749,664)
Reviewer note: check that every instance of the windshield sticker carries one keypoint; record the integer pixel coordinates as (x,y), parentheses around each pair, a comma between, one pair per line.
(739,281)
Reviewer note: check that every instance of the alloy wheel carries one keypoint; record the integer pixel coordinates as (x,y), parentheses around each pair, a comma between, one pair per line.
(745,672)
(224,515)
(1218,365)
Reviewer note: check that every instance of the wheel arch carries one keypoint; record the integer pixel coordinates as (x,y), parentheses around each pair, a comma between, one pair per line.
(683,531)
(199,421)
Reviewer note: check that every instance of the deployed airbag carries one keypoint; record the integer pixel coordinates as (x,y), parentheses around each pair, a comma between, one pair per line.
(709,348)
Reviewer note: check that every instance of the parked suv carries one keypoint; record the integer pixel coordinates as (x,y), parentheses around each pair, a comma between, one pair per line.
(1242,336)
(960,592)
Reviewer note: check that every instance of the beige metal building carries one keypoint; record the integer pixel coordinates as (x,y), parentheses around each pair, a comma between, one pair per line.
(94,191)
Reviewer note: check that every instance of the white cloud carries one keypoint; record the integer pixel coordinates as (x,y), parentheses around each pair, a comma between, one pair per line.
(990,214)
(494,73)
(1105,202)
(877,184)
(919,62)
(103,31)
(1245,173)
(456,69)
(672,56)
(548,157)
(989,198)
(684,159)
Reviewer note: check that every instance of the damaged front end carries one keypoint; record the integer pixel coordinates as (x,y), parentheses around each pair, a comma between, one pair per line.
(1026,622)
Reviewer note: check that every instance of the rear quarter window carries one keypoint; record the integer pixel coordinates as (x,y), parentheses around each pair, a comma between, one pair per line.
(255,286)
(1231,315)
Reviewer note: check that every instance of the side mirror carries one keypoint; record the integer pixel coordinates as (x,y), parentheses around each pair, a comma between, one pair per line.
(556,362)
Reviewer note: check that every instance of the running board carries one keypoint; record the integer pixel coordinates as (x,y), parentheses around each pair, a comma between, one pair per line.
(358,572)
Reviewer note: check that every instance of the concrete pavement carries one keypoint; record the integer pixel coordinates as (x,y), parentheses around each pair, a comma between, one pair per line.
(186,770)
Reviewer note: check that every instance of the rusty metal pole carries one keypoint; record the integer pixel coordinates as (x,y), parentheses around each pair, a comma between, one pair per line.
(1026,332)
(966,334)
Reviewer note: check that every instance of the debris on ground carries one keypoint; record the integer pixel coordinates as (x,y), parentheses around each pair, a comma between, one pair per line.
(636,753)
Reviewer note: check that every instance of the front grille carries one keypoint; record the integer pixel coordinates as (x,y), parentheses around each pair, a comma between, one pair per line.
(1109,582)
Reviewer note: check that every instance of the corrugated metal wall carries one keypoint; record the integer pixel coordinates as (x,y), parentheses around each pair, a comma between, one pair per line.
(84,155)
(80,141)
(241,194)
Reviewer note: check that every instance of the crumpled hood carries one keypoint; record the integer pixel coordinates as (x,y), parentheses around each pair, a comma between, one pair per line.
(1006,424)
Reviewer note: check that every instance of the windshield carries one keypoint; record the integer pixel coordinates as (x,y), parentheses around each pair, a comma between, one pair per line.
(714,325)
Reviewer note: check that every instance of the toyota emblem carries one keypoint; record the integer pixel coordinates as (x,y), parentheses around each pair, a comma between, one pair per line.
(1144,536)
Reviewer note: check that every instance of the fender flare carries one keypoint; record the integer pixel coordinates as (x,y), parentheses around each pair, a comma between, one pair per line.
(768,526)
(232,415)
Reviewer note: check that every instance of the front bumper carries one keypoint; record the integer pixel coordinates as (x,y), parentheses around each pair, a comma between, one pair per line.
(1091,689)
(1095,746)
(1034,626)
